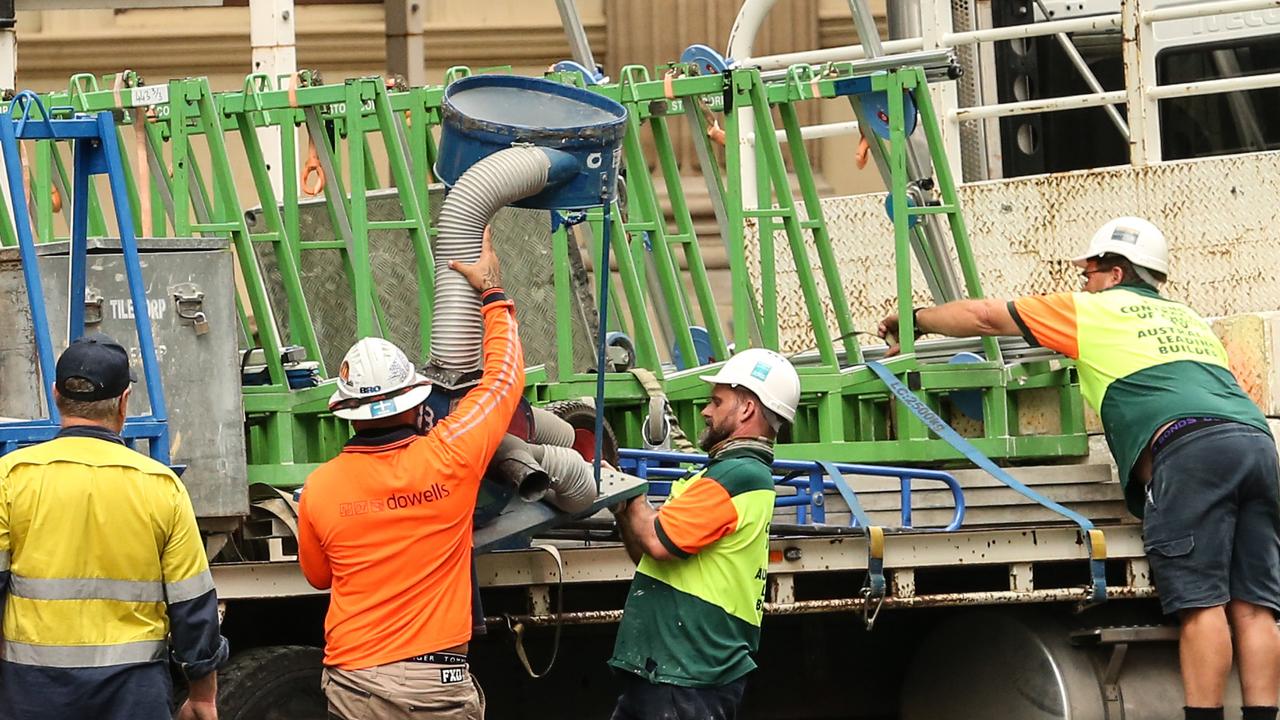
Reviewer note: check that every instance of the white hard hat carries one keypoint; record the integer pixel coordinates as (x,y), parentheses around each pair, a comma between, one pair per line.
(1133,238)
(767,374)
(376,380)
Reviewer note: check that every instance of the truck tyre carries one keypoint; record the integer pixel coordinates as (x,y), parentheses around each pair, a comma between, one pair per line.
(279,682)
(582,416)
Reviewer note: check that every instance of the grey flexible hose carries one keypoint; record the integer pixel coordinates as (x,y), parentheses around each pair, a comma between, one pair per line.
(551,429)
(492,183)
(573,484)
(514,464)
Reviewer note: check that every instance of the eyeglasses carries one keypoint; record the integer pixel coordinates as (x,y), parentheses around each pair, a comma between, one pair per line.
(1085,275)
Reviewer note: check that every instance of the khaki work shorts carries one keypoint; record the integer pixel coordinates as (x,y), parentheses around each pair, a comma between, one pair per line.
(403,691)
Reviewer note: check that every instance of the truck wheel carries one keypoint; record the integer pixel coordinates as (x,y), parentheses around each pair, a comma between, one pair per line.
(280,682)
(582,416)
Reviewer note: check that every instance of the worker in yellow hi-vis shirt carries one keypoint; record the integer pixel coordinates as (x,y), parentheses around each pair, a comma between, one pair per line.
(102,568)
(1196,459)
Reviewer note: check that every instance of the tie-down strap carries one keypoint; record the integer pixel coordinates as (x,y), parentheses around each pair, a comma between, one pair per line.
(1093,537)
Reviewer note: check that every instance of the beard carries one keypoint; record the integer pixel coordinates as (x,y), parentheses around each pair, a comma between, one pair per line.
(712,436)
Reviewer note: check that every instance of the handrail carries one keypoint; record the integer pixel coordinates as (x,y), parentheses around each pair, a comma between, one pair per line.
(809,478)
(1133,21)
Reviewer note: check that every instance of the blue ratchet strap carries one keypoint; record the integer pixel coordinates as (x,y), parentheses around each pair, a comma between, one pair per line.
(873,591)
(1096,542)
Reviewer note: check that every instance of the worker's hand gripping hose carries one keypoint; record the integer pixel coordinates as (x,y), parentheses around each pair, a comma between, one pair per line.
(492,183)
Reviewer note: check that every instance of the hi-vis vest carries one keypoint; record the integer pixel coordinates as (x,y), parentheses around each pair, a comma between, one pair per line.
(695,620)
(97,542)
(1143,361)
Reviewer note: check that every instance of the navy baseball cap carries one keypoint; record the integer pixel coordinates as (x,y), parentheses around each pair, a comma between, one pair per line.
(101,361)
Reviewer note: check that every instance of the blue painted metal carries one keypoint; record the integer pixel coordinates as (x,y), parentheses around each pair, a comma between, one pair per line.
(812,480)
(701,346)
(95,152)
(1097,562)
(602,340)
(856,85)
(483,114)
(912,220)
(877,106)
(708,59)
(968,402)
(589,77)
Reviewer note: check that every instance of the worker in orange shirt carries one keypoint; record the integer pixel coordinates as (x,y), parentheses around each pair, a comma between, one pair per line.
(386,525)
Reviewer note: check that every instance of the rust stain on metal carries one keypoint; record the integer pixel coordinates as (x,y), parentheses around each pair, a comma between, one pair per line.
(808,607)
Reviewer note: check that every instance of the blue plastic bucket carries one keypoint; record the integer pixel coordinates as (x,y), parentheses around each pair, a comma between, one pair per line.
(486,113)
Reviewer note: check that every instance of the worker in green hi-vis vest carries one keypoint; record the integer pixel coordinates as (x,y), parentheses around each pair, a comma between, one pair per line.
(1196,459)
(692,617)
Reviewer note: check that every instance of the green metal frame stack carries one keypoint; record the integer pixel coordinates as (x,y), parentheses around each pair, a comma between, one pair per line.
(846,413)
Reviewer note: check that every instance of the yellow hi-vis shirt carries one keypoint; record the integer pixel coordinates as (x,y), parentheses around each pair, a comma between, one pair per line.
(1143,362)
(100,550)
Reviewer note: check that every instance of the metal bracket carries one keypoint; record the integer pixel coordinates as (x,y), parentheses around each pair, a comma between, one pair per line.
(1111,682)
(188,301)
(92,306)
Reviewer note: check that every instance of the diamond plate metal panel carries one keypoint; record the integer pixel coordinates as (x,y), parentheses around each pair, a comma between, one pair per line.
(522,239)
(1218,213)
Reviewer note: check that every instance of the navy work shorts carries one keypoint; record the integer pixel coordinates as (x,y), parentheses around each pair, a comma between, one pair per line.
(1212,520)
(643,700)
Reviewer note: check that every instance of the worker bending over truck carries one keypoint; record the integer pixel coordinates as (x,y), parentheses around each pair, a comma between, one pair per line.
(692,616)
(387,524)
(1196,460)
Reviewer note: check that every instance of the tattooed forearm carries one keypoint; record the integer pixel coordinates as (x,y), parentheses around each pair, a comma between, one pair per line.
(491,278)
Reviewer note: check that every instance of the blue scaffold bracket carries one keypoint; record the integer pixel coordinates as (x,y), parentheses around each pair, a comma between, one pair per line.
(708,60)
(1094,540)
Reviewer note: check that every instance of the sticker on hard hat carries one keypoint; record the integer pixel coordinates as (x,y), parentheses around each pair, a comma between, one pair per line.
(761,371)
(1125,235)
(382,407)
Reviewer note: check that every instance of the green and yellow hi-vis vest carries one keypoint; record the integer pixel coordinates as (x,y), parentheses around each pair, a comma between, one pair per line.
(694,620)
(1143,361)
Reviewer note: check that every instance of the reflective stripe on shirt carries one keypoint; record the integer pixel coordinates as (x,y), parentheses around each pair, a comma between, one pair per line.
(80,656)
(86,589)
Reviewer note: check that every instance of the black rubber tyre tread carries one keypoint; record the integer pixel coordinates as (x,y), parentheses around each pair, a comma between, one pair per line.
(258,671)
(582,416)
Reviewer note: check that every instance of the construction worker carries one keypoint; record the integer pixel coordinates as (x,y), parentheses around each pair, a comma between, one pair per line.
(101,559)
(386,525)
(1196,460)
(692,616)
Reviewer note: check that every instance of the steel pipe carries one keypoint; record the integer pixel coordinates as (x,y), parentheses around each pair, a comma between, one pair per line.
(1210,87)
(1029,107)
(1204,9)
(836,54)
(1053,27)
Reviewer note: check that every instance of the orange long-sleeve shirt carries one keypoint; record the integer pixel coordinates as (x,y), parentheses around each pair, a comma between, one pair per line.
(388,526)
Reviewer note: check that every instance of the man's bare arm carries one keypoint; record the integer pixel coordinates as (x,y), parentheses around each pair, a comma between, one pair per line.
(636,526)
(961,318)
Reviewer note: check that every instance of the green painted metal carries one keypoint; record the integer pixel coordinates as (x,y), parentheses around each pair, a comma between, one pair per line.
(663,287)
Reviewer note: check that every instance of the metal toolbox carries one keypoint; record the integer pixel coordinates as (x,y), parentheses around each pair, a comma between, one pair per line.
(191,294)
